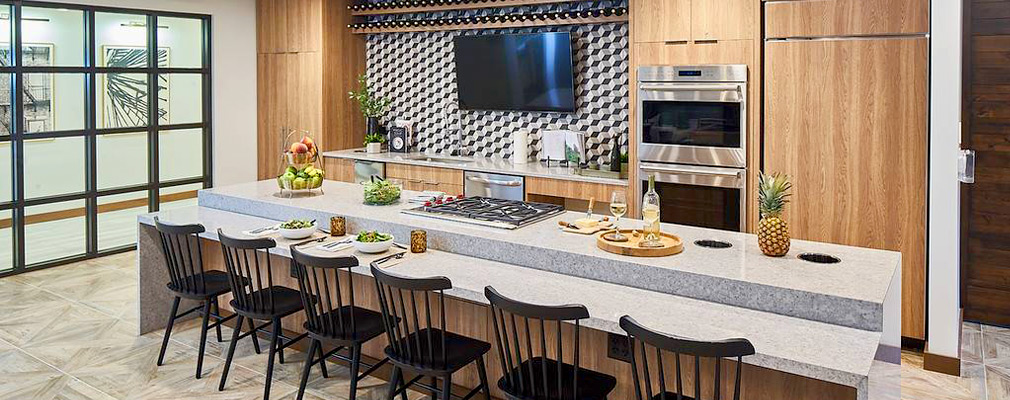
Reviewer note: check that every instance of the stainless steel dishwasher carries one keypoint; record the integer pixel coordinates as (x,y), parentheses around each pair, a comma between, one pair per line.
(497,186)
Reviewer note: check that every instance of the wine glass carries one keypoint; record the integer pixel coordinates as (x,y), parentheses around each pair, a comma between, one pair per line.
(618,206)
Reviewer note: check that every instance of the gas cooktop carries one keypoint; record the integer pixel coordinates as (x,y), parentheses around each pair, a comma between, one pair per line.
(498,213)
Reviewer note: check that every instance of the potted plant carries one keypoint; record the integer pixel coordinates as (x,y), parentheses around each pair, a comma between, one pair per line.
(373,142)
(372,107)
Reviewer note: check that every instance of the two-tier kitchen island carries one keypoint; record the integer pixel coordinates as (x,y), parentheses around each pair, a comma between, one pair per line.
(816,327)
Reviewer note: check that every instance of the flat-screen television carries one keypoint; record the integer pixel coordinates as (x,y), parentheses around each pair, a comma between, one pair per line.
(524,72)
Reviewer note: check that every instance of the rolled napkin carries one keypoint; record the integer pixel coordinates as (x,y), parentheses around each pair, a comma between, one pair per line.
(264,231)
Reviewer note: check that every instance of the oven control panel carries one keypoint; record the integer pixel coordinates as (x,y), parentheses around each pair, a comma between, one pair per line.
(697,73)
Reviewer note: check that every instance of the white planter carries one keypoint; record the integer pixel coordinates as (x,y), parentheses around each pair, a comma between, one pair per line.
(372,148)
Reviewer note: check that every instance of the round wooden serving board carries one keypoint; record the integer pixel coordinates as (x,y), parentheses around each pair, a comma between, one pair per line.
(671,245)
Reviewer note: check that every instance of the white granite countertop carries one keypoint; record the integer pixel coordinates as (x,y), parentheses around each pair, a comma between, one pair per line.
(808,348)
(850,293)
(476,164)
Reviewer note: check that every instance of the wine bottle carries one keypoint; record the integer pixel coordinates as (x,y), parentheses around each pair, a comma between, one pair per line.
(615,153)
(650,215)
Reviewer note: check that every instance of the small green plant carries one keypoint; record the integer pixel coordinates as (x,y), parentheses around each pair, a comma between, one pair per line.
(624,158)
(374,138)
(371,106)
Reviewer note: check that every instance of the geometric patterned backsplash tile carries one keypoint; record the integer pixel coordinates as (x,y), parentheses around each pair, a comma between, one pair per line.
(416,70)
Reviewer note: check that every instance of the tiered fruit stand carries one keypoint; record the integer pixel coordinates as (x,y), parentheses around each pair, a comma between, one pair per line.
(302,172)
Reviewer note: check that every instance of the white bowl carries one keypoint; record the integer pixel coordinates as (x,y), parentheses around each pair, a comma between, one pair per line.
(295,234)
(373,247)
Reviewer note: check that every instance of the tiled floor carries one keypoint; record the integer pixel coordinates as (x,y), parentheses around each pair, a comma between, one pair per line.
(70,333)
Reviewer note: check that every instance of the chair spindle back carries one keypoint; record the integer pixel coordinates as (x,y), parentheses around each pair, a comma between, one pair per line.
(414,307)
(180,245)
(250,272)
(323,297)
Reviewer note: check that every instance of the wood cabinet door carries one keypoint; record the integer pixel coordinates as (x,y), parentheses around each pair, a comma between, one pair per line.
(847,121)
(288,98)
(722,19)
(806,18)
(661,20)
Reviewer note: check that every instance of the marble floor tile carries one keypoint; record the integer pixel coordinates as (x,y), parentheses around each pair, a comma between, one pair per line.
(919,384)
(25,377)
(971,346)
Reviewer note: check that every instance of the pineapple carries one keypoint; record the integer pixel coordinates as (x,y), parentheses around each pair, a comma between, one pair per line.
(773,232)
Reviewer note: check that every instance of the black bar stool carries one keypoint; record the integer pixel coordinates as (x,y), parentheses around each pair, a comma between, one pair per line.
(533,375)
(332,316)
(257,298)
(679,346)
(418,341)
(180,245)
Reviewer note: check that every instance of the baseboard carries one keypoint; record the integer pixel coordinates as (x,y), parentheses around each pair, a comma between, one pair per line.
(941,364)
(888,354)
(912,343)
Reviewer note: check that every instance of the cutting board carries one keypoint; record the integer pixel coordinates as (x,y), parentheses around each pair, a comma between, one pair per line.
(671,245)
(602,226)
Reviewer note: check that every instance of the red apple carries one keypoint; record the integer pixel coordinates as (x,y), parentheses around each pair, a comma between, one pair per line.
(307,141)
(299,148)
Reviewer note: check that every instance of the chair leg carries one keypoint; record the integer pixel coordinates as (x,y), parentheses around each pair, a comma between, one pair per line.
(482,371)
(252,328)
(274,341)
(447,387)
(277,345)
(168,330)
(231,352)
(308,368)
(434,389)
(203,338)
(394,379)
(355,366)
(217,311)
(322,362)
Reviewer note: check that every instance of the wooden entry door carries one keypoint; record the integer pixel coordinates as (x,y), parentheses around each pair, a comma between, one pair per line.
(985,238)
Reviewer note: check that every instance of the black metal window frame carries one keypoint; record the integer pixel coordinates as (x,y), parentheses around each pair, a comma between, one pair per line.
(90,70)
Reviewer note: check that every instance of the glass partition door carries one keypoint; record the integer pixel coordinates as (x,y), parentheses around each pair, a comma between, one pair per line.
(104,115)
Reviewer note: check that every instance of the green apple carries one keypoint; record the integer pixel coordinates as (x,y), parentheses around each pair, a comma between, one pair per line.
(315,181)
(291,170)
(280,182)
(298,184)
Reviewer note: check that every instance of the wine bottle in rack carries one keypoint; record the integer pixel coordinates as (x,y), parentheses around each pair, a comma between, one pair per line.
(620,11)
(552,16)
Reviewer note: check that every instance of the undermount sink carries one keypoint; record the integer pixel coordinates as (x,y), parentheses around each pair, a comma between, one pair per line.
(443,160)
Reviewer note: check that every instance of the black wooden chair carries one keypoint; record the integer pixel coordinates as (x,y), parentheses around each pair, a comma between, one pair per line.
(536,375)
(180,245)
(662,343)
(414,313)
(327,288)
(256,297)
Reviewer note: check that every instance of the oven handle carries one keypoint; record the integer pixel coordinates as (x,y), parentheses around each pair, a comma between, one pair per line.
(690,88)
(494,182)
(685,171)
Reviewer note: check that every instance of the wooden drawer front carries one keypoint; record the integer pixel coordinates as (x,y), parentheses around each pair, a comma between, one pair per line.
(571,189)
(426,178)
(339,169)
(806,18)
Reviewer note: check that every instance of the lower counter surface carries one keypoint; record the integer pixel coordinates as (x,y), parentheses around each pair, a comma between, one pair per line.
(795,357)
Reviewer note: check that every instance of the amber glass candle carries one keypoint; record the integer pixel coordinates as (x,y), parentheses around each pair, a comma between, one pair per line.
(418,241)
(338,226)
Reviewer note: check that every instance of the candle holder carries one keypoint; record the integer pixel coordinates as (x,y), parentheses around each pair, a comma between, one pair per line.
(418,241)
(338,226)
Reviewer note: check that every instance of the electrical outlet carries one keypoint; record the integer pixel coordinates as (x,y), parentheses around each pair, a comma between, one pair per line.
(617,347)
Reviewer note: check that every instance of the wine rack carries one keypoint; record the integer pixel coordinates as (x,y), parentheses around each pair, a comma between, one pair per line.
(596,16)
(420,6)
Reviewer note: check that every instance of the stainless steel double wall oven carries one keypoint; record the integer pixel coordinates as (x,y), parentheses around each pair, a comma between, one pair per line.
(692,124)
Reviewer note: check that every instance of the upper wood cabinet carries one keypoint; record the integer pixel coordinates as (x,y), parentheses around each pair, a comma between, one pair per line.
(722,19)
(662,20)
(812,18)
(692,20)
(847,121)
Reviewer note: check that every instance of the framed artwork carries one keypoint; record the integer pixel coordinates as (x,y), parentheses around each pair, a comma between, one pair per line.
(38,89)
(124,95)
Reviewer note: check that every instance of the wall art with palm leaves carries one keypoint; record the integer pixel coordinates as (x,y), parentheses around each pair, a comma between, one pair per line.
(124,95)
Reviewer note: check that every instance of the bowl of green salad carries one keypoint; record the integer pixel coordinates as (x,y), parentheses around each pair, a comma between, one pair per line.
(381,192)
(372,242)
(297,229)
